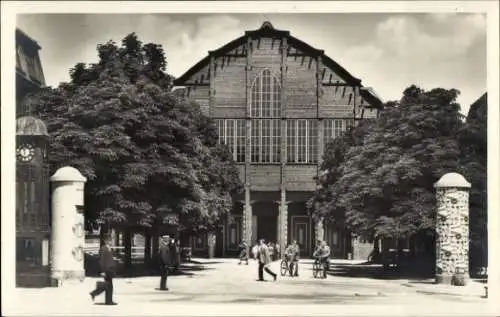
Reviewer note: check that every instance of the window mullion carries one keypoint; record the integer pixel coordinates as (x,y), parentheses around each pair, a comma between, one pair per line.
(271,141)
(307,141)
(260,93)
(224,134)
(235,138)
(271,96)
(296,141)
(260,141)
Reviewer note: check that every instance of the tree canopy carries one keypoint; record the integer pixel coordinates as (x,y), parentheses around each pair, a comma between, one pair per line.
(378,178)
(145,152)
(473,140)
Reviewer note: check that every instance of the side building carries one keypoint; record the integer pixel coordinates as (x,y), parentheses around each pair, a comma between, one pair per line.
(277,101)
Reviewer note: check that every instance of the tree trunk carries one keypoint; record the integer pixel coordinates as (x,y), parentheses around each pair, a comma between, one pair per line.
(117,238)
(127,243)
(376,251)
(155,248)
(211,244)
(105,228)
(147,248)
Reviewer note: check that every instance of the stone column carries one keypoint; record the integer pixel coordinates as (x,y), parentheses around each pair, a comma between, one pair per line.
(452,229)
(247,217)
(283,221)
(68,231)
(320,229)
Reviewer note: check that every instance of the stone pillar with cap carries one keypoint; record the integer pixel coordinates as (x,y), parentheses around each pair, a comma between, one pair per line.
(68,227)
(452,229)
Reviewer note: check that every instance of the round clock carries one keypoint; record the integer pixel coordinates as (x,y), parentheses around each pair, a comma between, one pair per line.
(25,152)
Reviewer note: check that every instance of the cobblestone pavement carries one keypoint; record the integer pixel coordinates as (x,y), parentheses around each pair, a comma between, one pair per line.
(208,285)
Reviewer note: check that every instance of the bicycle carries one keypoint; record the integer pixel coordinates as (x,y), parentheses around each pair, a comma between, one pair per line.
(290,266)
(319,269)
(284,267)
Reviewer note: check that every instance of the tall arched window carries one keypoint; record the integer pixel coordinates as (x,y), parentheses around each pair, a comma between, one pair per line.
(266,96)
(266,107)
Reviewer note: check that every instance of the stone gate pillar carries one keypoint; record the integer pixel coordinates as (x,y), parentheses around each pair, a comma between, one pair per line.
(68,228)
(452,228)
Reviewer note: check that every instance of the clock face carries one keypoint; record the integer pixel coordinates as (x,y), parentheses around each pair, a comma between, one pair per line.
(25,152)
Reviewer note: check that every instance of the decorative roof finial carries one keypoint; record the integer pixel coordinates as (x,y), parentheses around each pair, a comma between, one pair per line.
(267,25)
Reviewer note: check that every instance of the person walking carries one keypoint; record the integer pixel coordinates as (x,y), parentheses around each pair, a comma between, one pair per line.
(244,250)
(264,261)
(108,270)
(166,260)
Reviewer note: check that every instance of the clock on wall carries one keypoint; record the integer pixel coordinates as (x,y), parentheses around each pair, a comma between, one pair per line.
(25,152)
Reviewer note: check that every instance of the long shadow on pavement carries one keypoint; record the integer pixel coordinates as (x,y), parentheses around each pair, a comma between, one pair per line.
(205,263)
(142,270)
(377,271)
(280,298)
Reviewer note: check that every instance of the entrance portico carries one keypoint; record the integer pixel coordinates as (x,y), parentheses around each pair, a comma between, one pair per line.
(278,217)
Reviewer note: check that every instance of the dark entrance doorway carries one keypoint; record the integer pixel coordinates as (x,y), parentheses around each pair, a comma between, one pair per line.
(267,220)
(266,228)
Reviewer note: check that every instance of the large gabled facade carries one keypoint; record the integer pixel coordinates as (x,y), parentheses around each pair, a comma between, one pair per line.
(277,101)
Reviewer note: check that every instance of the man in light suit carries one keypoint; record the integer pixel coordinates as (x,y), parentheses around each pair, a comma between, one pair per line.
(264,260)
(108,270)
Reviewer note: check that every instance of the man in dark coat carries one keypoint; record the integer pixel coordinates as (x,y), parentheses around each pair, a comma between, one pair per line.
(108,270)
(264,260)
(166,257)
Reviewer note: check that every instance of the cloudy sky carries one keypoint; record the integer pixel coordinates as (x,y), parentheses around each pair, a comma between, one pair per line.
(388,52)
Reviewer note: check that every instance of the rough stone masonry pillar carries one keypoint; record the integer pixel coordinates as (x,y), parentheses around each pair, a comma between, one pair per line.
(68,228)
(452,229)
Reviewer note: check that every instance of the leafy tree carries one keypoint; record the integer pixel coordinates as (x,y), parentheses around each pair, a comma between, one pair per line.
(473,140)
(335,153)
(145,152)
(382,186)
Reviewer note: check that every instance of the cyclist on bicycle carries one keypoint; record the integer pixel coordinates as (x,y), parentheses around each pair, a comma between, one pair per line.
(321,255)
(292,253)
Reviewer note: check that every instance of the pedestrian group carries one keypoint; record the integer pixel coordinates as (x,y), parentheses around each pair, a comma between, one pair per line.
(169,261)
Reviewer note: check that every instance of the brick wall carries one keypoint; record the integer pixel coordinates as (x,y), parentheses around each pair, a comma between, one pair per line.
(199,94)
(300,178)
(300,94)
(265,177)
(230,83)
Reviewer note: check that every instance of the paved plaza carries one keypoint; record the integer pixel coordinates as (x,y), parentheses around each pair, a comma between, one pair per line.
(221,287)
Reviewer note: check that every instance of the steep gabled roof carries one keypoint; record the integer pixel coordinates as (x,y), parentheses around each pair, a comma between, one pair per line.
(267,30)
(25,40)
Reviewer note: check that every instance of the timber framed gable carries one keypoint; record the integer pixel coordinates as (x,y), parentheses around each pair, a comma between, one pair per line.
(332,88)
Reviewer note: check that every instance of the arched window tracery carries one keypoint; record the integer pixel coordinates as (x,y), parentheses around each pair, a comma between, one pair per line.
(266,113)
(266,96)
